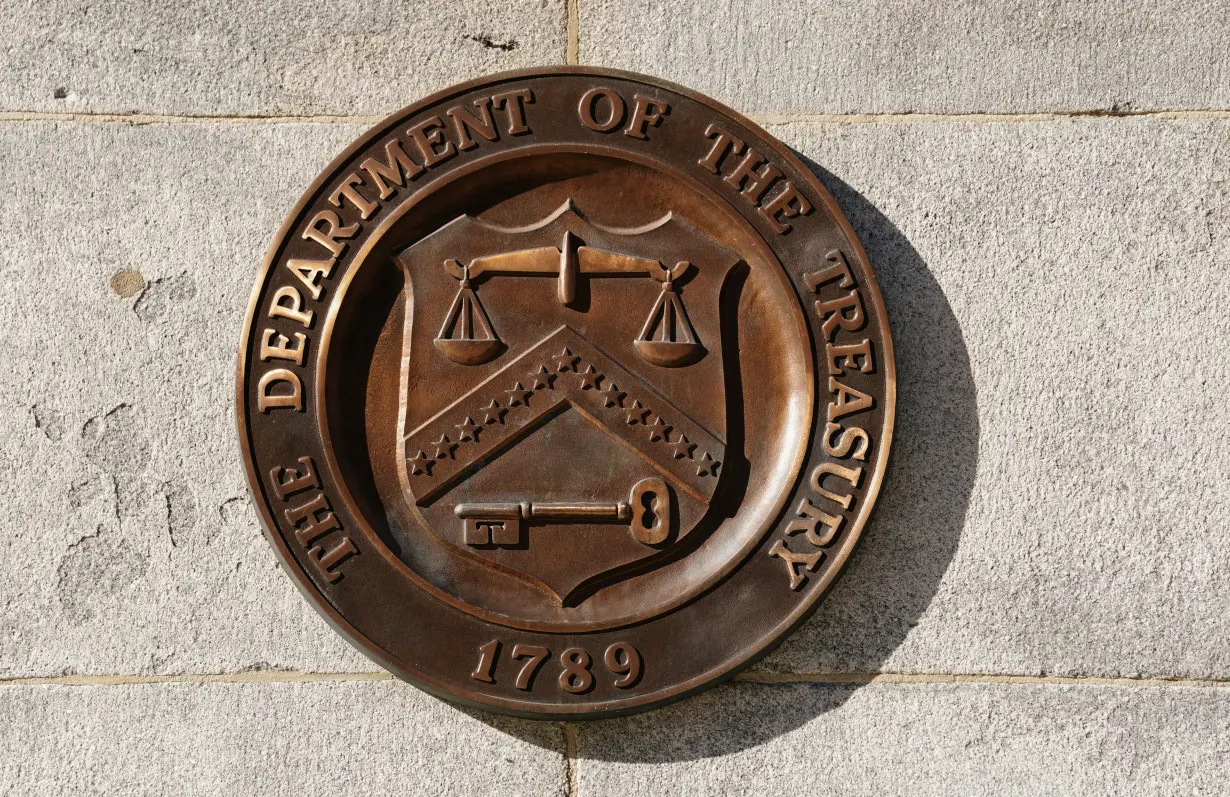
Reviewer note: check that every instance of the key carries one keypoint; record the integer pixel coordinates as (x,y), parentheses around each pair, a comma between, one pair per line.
(648,511)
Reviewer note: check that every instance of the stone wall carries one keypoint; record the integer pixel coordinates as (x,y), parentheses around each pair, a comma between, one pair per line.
(1041,604)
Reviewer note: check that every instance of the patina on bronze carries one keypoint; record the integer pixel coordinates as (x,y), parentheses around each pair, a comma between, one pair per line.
(565,392)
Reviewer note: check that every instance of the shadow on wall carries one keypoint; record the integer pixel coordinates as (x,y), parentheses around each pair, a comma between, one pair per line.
(897,566)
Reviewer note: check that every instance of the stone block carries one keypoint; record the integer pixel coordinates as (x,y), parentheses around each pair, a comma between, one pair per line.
(915,740)
(903,56)
(1056,501)
(252,58)
(130,254)
(322,738)
(1056,496)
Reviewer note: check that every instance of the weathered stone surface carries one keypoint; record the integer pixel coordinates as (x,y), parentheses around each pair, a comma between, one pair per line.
(132,544)
(904,56)
(916,740)
(243,57)
(268,739)
(1057,499)
(1056,502)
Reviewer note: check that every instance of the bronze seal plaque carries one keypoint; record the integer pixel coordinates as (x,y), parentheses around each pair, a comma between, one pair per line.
(565,392)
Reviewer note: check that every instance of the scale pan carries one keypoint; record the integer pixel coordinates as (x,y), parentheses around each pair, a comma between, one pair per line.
(469,352)
(668,353)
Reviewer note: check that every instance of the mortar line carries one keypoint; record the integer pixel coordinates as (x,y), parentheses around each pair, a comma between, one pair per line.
(572,32)
(770,119)
(765,119)
(570,759)
(157,118)
(250,677)
(936,679)
(756,677)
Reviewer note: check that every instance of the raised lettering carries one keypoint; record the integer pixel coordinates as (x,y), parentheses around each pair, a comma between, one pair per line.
(328,561)
(839,270)
(622,659)
(488,655)
(294,310)
(513,104)
(397,168)
(319,516)
(280,349)
(313,519)
(851,475)
(628,665)
(851,355)
(788,204)
(310,271)
(848,401)
(849,437)
(267,400)
(615,111)
(811,517)
(429,134)
(536,655)
(846,312)
(646,113)
(809,561)
(724,142)
(761,181)
(351,194)
(576,676)
(465,123)
(288,481)
(328,237)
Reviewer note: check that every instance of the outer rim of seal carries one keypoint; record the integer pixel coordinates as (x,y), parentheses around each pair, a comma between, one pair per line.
(529,709)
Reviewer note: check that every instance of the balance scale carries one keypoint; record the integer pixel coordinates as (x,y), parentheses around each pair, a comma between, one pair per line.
(467,336)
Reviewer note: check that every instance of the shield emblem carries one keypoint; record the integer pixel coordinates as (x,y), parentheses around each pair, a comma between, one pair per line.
(563,394)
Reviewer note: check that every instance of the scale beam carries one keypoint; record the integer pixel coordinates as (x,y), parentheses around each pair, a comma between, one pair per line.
(566,262)
(667,338)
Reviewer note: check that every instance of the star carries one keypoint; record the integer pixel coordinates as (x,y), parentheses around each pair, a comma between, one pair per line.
(495,413)
(637,413)
(660,430)
(542,378)
(707,466)
(682,448)
(519,395)
(444,447)
(567,361)
(613,396)
(469,430)
(421,464)
(590,379)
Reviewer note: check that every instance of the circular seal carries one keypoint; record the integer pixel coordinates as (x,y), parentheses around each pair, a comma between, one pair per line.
(565,392)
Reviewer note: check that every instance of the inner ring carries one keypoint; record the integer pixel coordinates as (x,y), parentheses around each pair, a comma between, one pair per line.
(769,314)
